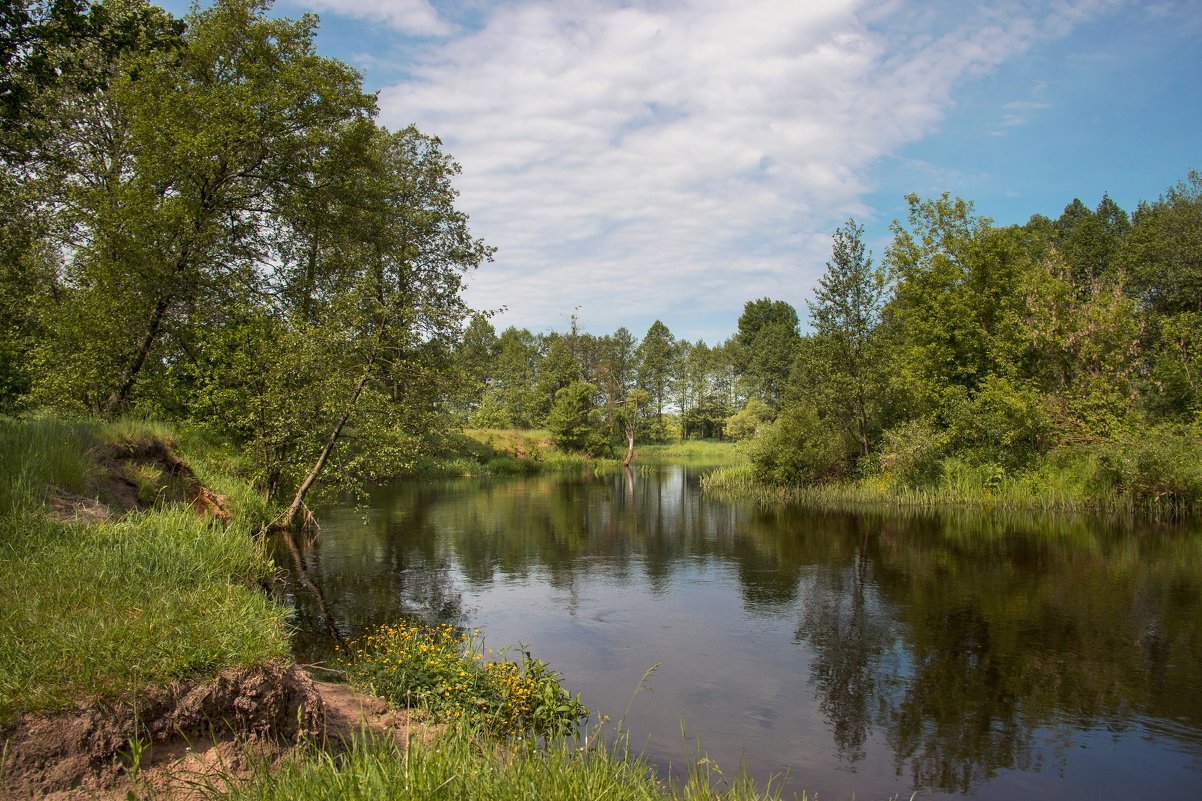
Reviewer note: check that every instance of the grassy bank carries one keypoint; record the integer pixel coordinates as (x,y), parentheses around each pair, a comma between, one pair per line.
(512,451)
(101,608)
(463,765)
(503,452)
(1082,481)
(693,453)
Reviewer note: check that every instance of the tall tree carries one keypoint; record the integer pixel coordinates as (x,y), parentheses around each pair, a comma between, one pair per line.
(405,298)
(764,347)
(175,171)
(845,313)
(657,356)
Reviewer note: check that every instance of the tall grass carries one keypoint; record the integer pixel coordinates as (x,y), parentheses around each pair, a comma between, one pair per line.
(39,453)
(105,609)
(1060,483)
(506,451)
(465,766)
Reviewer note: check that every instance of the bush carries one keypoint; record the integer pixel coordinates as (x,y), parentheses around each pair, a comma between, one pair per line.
(445,673)
(1161,465)
(912,452)
(575,422)
(799,448)
(1004,423)
(747,422)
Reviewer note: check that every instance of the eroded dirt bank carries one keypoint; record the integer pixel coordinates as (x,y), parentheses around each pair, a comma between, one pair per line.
(192,736)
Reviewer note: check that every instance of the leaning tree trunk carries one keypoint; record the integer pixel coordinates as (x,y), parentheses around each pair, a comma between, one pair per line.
(629,447)
(290,518)
(130,375)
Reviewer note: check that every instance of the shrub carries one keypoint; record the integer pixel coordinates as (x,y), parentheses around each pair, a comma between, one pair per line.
(1161,465)
(799,448)
(749,420)
(913,451)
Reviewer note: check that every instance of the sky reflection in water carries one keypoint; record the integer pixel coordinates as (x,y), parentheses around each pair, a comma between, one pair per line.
(870,653)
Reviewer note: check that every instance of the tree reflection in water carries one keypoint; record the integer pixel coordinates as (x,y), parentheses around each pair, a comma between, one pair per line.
(955,646)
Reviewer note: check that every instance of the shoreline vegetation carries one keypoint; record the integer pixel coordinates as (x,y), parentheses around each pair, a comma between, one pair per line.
(133,608)
(1130,478)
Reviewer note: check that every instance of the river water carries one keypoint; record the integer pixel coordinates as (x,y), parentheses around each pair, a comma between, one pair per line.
(868,654)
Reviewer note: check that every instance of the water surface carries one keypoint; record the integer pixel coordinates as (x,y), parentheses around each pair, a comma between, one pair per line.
(873,654)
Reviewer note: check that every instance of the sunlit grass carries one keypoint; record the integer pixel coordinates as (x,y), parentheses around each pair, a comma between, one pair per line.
(104,609)
(692,453)
(464,765)
(454,677)
(1064,485)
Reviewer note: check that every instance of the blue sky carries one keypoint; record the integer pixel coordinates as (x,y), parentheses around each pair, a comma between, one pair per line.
(635,160)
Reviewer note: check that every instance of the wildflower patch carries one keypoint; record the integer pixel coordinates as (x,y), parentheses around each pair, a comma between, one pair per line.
(451,675)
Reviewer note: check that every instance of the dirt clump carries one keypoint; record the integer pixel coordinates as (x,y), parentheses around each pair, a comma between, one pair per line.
(190,739)
(133,475)
(88,748)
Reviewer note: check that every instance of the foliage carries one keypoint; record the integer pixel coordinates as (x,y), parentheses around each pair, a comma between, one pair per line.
(912,453)
(1158,467)
(448,674)
(798,448)
(575,421)
(846,361)
(747,422)
(764,347)
(657,357)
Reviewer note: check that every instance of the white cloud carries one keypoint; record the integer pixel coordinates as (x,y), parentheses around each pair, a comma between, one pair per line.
(415,17)
(674,159)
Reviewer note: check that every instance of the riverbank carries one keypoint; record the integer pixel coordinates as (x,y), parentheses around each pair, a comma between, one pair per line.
(513,451)
(1157,477)
(139,654)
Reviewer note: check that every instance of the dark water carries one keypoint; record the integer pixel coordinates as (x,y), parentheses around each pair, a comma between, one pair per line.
(868,654)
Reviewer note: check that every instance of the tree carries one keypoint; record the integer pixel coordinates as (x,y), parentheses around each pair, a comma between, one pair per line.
(475,356)
(174,178)
(764,347)
(515,370)
(657,356)
(404,301)
(845,313)
(1163,257)
(575,421)
(955,316)
(1089,241)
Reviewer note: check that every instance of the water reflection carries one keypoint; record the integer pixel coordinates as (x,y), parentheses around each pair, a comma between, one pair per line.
(868,653)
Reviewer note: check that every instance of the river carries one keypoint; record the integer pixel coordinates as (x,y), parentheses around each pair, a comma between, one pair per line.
(853,653)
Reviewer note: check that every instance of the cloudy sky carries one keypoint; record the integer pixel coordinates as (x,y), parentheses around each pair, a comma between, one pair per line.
(673,159)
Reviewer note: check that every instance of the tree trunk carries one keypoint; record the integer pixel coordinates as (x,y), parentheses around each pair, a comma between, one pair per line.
(130,375)
(290,517)
(629,448)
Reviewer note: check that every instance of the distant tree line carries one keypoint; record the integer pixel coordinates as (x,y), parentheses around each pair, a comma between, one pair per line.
(995,348)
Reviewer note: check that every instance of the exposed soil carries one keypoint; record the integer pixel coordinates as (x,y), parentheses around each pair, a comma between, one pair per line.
(193,737)
(136,474)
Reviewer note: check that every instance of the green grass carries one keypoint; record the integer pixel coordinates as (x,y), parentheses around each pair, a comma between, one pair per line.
(693,453)
(38,453)
(447,674)
(503,451)
(1060,482)
(463,765)
(105,609)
